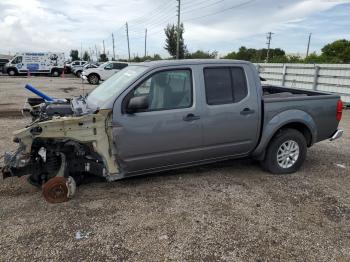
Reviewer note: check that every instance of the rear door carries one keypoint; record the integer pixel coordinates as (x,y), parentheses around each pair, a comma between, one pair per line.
(231,111)
(169,132)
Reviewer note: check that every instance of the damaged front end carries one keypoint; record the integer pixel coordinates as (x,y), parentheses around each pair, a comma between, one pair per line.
(64,142)
(16,163)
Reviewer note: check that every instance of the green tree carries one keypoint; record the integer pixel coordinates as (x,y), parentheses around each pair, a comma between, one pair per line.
(86,56)
(199,54)
(337,52)
(232,55)
(74,54)
(138,59)
(103,58)
(313,58)
(258,55)
(171,40)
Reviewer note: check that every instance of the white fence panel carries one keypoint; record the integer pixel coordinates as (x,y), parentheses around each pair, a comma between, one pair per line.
(334,78)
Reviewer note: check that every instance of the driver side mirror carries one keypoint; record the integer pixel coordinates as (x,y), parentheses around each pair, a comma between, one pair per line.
(137,103)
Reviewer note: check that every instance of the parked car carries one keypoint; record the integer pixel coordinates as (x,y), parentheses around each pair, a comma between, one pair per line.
(74,64)
(164,115)
(3,62)
(103,72)
(36,63)
(77,70)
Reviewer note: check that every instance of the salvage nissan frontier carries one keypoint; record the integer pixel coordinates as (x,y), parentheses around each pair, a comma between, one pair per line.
(163,115)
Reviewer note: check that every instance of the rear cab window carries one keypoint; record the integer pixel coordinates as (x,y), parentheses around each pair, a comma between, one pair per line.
(225,85)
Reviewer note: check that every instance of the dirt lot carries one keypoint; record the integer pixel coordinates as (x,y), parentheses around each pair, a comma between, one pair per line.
(229,211)
(12,89)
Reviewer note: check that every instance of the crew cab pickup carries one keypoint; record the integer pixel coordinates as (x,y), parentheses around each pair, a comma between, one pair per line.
(164,115)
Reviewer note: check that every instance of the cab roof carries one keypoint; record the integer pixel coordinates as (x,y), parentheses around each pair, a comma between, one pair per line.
(161,63)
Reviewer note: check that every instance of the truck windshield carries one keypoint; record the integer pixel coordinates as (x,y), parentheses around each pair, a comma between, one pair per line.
(114,86)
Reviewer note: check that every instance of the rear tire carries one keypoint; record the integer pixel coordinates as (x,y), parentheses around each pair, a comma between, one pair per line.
(94,79)
(78,73)
(286,152)
(55,73)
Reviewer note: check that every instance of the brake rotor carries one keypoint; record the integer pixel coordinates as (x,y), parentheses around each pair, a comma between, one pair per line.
(56,190)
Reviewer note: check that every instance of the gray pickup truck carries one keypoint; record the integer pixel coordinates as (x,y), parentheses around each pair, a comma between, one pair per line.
(164,115)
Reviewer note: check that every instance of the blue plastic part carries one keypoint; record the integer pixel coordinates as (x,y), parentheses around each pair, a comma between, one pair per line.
(39,93)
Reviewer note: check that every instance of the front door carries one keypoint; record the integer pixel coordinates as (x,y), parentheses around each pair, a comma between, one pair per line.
(168,133)
(18,61)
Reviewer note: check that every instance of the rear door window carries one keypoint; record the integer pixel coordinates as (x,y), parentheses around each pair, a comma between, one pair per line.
(225,85)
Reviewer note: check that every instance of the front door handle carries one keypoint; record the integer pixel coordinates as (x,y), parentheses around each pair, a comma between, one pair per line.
(247,111)
(191,117)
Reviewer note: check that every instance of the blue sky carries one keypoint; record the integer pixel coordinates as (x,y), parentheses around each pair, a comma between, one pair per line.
(221,25)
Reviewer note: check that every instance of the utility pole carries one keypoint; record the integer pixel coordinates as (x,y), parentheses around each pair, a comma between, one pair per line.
(308,45)
(127,36)
(104,50)
(146,42)
(178,30)
(113,47)
(96,53)
(269,37)
(81,50)
(90,51)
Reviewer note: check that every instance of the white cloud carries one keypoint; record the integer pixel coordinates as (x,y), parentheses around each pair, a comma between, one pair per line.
(37,25)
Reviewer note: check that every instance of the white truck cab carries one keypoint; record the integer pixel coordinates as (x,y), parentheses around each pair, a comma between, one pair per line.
(36,63)
(103,72)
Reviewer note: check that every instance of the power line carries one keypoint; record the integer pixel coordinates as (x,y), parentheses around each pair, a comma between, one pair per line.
(153,12)
(193,3)
(203,7)
(222,11)
(154,16)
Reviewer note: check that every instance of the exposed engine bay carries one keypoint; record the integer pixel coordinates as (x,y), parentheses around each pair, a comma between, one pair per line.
(65,141)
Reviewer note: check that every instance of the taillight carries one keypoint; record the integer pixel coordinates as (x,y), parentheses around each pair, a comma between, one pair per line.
(339,110)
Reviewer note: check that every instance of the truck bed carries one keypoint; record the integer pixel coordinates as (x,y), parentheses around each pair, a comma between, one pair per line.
(270,91)
(320,106)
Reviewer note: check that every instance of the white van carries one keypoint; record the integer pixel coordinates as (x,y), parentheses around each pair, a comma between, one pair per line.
(36,63)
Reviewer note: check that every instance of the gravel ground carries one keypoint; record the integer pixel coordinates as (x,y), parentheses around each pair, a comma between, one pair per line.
(12,88)
(229,211)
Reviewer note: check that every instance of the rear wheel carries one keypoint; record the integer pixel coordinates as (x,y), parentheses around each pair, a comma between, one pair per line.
(78,73)
(55,73)
(93,79)
(286,152)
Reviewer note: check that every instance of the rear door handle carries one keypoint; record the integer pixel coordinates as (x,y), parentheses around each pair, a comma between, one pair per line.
(191,117)
(247,111)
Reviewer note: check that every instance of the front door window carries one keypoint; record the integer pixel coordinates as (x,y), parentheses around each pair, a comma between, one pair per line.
(167,90)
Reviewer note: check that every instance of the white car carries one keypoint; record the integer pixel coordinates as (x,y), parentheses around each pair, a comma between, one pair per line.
(77,63)
(103,72)
(77,70)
